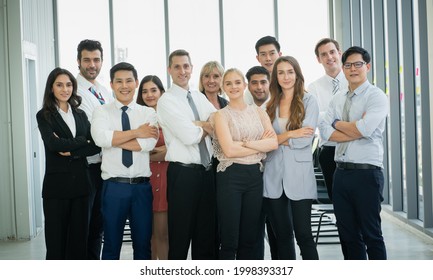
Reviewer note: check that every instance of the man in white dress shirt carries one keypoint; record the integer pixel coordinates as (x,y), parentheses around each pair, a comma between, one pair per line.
(93,94)
(126,132)
(328,54)
(183,114)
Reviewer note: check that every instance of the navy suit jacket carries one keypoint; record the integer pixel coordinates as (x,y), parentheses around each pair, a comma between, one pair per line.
(66,176)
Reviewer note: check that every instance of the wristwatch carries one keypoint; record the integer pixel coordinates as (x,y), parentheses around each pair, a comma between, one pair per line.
(334,123)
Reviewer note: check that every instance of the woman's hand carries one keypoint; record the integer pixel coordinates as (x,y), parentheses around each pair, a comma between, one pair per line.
(65,154)
(302,132)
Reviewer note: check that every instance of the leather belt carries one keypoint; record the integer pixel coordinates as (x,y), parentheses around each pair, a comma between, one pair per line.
(351,165)
(327,147)
(132,181)
(194,166)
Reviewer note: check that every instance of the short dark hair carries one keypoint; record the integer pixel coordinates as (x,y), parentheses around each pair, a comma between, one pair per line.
(325,41)
(123,66)
(353,50)
(179,52)
(267,40)
(257,70)
(49,103)
(89,45)
(146,79)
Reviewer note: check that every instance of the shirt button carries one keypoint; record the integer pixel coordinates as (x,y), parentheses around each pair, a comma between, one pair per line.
(157,176)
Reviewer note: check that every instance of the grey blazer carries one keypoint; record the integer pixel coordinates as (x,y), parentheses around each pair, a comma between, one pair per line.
(291,167)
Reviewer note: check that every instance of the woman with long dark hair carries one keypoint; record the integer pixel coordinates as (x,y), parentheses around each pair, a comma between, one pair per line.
(149,92)
(289,180)
(65,132)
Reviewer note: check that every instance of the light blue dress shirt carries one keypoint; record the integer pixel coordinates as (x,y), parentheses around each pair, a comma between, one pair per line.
(368,100)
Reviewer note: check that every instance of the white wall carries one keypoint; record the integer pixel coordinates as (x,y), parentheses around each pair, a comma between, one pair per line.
(28,40)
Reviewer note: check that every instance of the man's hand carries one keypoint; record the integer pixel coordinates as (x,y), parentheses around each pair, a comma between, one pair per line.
(147,131)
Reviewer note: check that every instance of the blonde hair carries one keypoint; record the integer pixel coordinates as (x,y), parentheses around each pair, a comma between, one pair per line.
(207,69)
(233,70)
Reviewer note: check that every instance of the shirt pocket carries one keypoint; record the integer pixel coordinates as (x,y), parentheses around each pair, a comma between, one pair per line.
(303,155)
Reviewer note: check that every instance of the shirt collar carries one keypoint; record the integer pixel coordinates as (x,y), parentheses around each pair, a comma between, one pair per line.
(180,90)
(120,105)
(340,77)
(359,90)
(63,112)
(82,81)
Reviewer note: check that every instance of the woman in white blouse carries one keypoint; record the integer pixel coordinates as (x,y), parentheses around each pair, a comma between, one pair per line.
(244,135)
(289,180)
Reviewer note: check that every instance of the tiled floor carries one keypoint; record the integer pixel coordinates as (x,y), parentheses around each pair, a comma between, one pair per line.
(402,244)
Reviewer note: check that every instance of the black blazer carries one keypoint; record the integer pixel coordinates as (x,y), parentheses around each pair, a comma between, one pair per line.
(66,176)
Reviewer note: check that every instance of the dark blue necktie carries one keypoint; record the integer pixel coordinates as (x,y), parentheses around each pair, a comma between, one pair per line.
(126,154)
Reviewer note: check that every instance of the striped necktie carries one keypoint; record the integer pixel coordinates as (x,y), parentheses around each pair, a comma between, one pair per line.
(336,86)
(97,95)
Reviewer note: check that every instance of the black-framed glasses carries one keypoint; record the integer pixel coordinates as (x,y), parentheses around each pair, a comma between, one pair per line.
(357,64)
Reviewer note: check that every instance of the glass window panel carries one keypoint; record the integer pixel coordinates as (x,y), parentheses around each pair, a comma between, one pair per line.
(139,37)
(418,111)
(300,28)
(402,110)
(246,21)
(75,24)
(194,27)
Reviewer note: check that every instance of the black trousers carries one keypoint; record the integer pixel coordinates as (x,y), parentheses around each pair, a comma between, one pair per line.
(327,165)
(66,228)
(357,206)
(239,199)
(94,240)
(191,212)
(288,216)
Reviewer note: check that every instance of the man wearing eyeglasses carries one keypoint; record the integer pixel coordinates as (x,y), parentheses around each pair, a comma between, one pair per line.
(356,121)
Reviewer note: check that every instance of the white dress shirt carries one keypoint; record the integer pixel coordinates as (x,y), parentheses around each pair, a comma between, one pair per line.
(368,100)
(322,89)
(68,118)
(248,97)
(107,119)
(89,102)
(176,119)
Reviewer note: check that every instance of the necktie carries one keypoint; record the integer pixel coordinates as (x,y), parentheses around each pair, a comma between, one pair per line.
(204,154)
(336,86)
(126,154)
(97,95)
(342,147)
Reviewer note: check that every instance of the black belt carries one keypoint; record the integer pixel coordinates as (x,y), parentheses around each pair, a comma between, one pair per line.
(351,165)
(194,165)
(132,181)
(327,147)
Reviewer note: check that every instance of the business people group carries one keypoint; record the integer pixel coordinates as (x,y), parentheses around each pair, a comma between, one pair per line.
(192,170)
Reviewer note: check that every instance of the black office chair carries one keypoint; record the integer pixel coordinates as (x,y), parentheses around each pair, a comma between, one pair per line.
(322,219)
